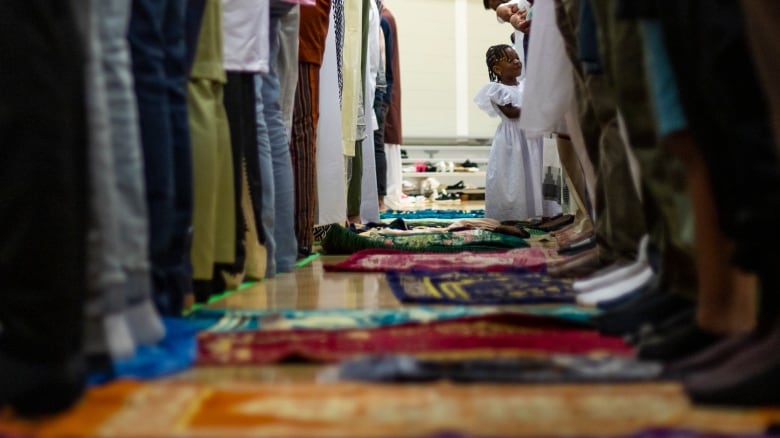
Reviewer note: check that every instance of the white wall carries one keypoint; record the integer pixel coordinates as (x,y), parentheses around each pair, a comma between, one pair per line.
(442,47)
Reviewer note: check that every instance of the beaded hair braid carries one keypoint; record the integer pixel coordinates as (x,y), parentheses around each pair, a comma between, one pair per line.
(493,56)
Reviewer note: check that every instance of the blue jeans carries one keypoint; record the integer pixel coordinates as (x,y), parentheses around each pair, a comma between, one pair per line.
(267,177)
(159,51)
(286,245)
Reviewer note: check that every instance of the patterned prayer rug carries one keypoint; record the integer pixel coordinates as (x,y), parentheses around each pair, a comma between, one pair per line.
(480,288)
(340,240)
(432,214)
(234,320)
(465,338)
(385,260)
(242,410)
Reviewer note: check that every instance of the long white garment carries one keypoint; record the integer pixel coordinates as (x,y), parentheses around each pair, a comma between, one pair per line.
(331,186)
(549,79)
(394,176)
(351,71)
(513,185)
(369,199)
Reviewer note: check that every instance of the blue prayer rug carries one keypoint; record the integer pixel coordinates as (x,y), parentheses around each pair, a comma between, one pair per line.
(480,288)
(235,320)
(432,214)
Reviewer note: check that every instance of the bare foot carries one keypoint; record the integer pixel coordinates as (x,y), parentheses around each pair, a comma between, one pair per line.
(353,219)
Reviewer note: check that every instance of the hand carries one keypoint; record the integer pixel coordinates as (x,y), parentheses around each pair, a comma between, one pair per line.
(505,12)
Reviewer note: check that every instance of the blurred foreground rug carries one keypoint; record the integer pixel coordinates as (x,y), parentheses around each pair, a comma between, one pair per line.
(173,409)
(484,336)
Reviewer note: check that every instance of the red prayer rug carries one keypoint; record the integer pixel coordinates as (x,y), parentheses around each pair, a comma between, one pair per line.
(387,260)
(474,337)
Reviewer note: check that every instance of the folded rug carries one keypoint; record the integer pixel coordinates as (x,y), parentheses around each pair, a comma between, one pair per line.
(480,288)
(551,369)
(484,336)
(386,260)
(340,240)
(432,214)
(234,320)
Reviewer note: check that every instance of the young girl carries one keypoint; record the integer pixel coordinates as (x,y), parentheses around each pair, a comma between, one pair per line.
(513,188)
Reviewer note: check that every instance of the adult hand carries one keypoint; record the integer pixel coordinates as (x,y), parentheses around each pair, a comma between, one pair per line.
(506,11)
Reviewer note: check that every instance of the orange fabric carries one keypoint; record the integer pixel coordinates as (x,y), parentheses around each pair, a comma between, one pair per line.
(313,31)
(83,420)
(176,409)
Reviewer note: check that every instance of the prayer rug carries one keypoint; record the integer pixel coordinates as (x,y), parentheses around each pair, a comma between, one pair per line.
(386,260)
(480,288)
(340,240)
(432,214)
(234,320)
(552,369)
(243,409)
(465,338)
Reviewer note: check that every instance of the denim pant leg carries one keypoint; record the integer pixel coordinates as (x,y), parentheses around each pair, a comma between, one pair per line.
(284,231)
(177,72)
(126,144)
(267,177)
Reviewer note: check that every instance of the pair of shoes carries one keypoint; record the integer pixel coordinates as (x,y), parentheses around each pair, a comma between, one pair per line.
(457,186)
(468,164)
(447,197)
(404,155)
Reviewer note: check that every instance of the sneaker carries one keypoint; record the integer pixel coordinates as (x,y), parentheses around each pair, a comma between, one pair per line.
(469,164)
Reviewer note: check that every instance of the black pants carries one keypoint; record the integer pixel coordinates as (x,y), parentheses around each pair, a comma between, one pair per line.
(241,113)
(43,181)
(728,117)
(380,107)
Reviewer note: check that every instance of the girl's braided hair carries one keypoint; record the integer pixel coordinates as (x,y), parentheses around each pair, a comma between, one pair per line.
(493,56)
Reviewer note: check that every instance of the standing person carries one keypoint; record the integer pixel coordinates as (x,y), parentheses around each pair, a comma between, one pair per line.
(393,138)
(303,143)
(510,192)
(381,105)
(44,206)
(160,69)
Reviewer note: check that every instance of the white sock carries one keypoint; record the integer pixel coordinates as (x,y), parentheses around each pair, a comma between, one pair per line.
(616,290)
(613,274)
(120,341)
(145,324)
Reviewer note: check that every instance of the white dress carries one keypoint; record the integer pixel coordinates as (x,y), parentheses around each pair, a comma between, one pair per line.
(513,188)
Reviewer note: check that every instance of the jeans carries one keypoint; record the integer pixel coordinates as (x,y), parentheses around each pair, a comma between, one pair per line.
(267,217)
(159,51)
(284,190)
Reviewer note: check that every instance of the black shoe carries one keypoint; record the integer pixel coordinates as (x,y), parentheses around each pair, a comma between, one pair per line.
(404,155)
(35,389)
(677,343)
(469,164)
(303,252)
(457,186)
(649,306)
